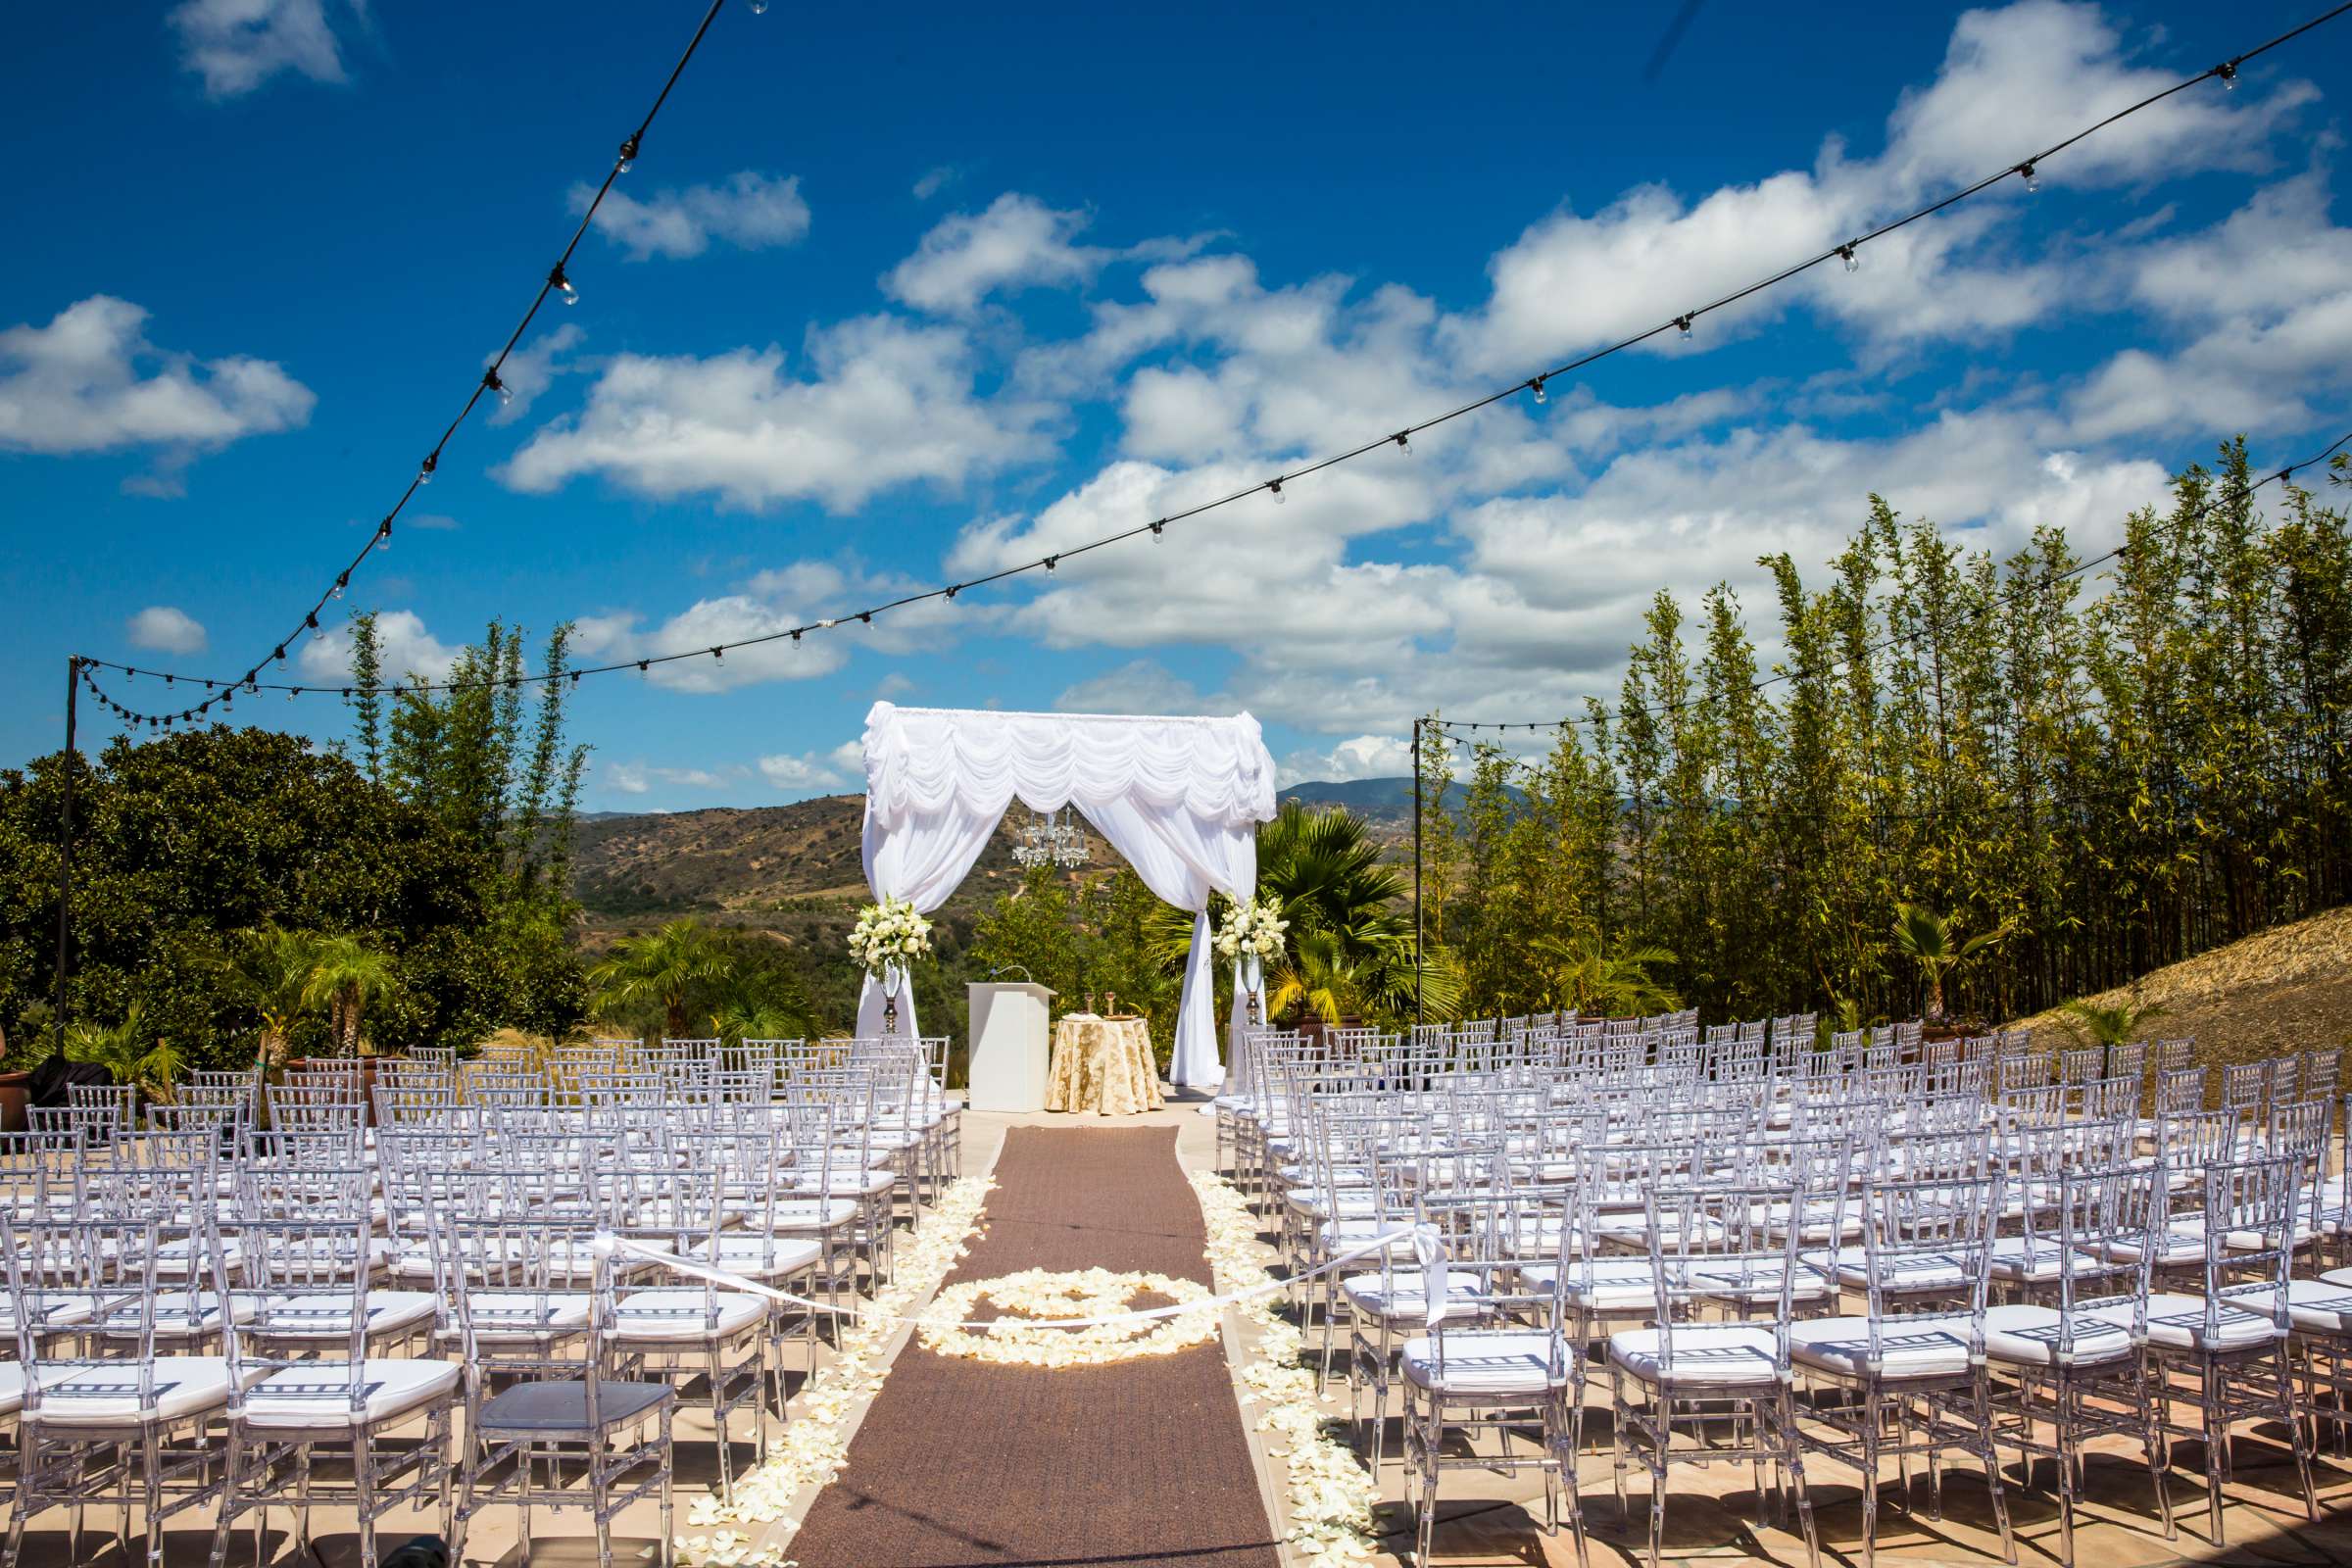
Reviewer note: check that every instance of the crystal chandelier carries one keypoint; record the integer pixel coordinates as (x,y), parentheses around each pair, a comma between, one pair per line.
(1053,840)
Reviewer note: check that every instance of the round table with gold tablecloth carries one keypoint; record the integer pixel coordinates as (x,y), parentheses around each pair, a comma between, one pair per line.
(1103,1066)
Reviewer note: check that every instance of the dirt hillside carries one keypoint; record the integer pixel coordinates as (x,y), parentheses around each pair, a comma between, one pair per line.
(2285,989)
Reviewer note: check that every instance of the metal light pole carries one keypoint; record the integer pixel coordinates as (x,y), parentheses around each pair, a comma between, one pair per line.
(1416,871)
(65,849)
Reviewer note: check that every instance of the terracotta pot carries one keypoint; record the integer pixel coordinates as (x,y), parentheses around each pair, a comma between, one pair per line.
(16,1095)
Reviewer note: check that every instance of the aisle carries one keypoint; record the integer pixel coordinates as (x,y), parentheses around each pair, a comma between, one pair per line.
(1137,1464)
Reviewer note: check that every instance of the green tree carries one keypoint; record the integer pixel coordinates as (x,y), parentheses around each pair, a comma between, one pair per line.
(343,974)
(127,1053)
(661,967)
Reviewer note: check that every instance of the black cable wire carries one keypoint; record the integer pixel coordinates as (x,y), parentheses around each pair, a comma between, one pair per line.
(2018,591)
(2227,70)
(557,278)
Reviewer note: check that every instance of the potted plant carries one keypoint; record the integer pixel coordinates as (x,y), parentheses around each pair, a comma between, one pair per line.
(341,975)
(123,1049)
(1934,943)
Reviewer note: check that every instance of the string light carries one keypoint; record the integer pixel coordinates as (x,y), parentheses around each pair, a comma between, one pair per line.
(2032,180)
(1275,486)
(506,393)
(558,283)
(1848,253)
(2228,72)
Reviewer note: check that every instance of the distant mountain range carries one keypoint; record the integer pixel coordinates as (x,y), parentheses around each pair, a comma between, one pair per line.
(750,861)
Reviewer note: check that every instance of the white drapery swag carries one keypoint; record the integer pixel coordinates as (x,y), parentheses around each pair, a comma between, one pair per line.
(1180,798)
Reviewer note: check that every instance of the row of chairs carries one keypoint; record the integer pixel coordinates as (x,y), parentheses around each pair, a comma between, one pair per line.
(203,1299)
(1870,1261)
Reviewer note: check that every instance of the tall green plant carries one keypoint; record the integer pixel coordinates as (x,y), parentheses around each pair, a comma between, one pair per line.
(662,968)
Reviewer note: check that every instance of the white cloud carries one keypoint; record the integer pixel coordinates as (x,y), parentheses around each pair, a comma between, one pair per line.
(404,648)
(1018,242)
(165,629)
(1139,686)
(238,45)
(749,211)
(637,778)
(89,381)
(816,772)
(772,602)
(935,180)
(627,777)
(885,403)
(2012,81)
(533,369)
(1364,756)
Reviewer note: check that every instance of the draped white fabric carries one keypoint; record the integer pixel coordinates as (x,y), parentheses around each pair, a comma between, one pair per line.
(1179,798)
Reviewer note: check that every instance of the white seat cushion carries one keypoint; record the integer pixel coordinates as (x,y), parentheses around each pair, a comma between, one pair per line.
(864,1183)
(1719,1354)
(684,1314)
(106,1393)
(1402,1299)
(2320,1307)
(2177,1322)
(763,1259)
(505,1317)
(804,1214)
(2030,1336)
(1616,1284)
(318,1394)
(178,1315)
(1910,1272)
(2045,1262)
(1497,1361)
(1930,1344)
(2178,1244)
(323,1317)
(51,1311)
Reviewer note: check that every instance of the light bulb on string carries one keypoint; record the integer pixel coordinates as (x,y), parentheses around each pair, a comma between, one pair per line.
(424,470)
(1684,322)
(1279,500)
(2228,72)
(759,8)
(562,285)
(628,156)
(1404,442)
(1853,261)
(1537,386)
(383,535)
(2032,178)
(1157,529)
(506,393)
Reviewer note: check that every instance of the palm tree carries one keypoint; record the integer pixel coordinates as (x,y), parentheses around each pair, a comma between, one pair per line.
(1934,943)
(122,1050)
(1592,979)
(660,968)
(1314,976)
(2093,1025)
(344,973)
(1325,871)
(269,967)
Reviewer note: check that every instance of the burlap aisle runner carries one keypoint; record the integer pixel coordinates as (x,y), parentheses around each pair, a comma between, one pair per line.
(1142,1462)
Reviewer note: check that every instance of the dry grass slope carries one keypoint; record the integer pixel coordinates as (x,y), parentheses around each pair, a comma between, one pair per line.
(2285,989)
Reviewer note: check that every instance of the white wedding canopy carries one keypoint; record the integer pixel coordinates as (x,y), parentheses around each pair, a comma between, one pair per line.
(1180,798)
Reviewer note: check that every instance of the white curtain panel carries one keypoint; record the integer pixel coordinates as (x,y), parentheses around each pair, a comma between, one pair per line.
(1179,798)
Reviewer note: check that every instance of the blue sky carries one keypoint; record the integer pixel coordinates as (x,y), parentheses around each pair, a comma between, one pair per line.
(898,297)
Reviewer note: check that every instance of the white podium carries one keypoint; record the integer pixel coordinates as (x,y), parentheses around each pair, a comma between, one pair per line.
(1010,1046)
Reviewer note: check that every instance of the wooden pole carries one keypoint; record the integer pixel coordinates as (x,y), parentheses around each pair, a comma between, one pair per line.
(65,849)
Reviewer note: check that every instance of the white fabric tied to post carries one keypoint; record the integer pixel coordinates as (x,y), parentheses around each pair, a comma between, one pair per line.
(1429,1252)
(1179,798)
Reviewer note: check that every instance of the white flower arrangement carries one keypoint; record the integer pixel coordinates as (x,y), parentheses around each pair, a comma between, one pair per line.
(889,933)
(815,1444)
(1253,927)
(1329,1496)
(1042,1295)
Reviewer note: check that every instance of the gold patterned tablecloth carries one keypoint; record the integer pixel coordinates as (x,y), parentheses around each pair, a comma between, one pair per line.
(1103,1065)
